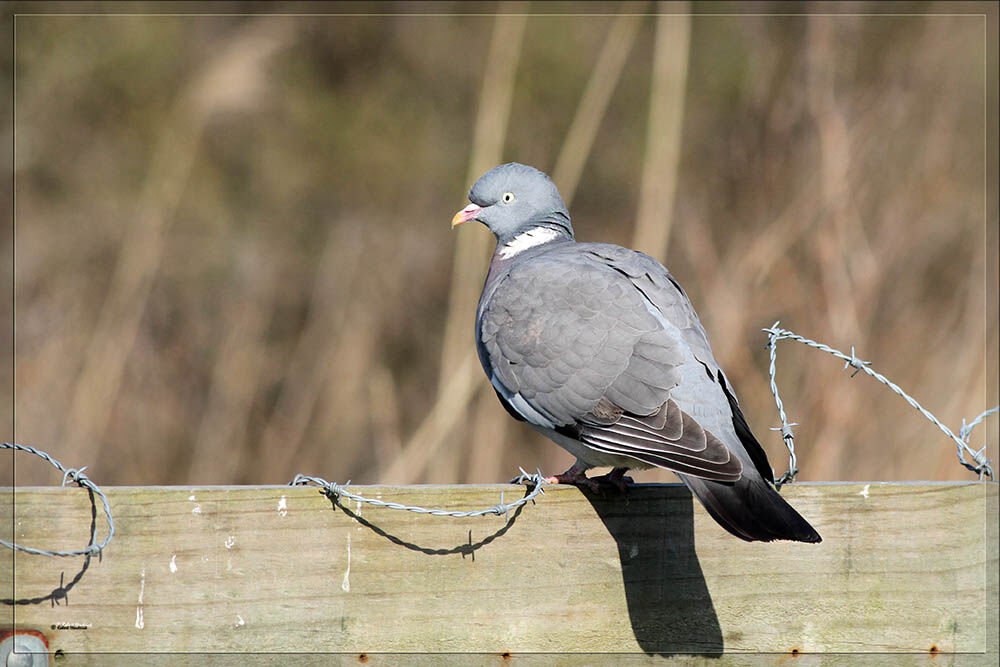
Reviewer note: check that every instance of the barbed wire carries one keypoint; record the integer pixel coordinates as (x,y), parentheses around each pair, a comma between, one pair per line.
(336,491)
(69,474)
(981,464)
(536,481)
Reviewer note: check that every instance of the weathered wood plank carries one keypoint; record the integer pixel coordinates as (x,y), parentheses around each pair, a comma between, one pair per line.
(903,568)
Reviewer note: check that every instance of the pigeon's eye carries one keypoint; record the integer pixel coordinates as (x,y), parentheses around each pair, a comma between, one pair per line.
(508,197)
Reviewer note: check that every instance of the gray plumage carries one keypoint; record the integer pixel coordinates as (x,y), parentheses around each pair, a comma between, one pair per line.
(599,348)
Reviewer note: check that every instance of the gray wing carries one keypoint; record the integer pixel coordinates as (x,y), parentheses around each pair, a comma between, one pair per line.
(748,508)
(571,343)
(709,397)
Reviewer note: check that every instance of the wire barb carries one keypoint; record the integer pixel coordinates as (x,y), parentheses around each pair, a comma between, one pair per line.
(335,492)
(980,463)
(793,469)
(74,475)
(77,476)
(856,363)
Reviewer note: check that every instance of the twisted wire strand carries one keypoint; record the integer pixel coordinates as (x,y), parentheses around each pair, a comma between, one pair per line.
(335,491)
(980,465)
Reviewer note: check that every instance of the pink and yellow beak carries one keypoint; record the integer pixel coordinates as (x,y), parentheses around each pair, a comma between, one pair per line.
(468,213)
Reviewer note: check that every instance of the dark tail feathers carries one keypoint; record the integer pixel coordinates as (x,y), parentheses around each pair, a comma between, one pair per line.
(751,510)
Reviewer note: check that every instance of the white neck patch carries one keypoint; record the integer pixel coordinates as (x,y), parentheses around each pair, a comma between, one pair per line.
(528,239)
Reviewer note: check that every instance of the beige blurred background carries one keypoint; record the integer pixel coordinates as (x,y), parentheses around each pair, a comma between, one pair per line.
(234,261)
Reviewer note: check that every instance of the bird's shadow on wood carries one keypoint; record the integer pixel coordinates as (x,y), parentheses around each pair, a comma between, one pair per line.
(669,605)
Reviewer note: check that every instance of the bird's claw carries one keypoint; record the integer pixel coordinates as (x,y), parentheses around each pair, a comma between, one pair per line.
(616,480)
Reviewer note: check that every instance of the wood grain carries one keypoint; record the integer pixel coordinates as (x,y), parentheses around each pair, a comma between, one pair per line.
(902,568)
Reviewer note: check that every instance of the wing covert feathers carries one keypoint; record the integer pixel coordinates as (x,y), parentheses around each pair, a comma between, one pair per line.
(668,438)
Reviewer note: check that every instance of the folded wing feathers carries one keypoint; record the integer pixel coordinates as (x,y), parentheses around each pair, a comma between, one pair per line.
(668,438)
(668,421)
(688,466)
(602,363)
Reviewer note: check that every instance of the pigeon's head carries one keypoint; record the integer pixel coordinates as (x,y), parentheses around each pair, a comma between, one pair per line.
(514,198)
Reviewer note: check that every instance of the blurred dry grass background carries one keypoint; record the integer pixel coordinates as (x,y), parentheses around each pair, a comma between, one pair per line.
(233,259)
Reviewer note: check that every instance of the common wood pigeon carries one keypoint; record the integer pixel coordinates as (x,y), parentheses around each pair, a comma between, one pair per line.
(598,347)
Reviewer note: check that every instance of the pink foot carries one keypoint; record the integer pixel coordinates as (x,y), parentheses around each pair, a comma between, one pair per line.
(577,476)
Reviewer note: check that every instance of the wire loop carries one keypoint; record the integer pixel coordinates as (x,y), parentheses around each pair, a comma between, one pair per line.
(77,476)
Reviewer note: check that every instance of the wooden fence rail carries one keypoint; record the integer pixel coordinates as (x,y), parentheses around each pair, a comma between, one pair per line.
(904,568)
